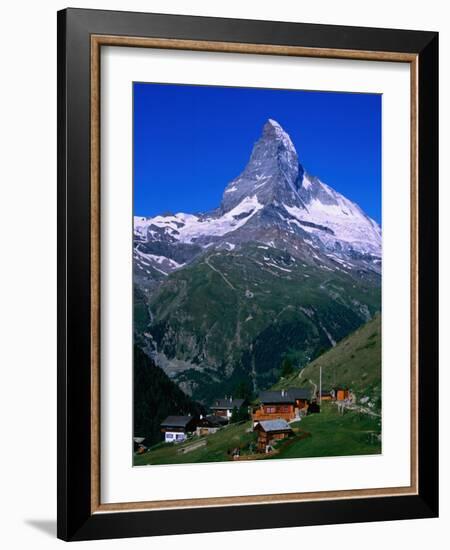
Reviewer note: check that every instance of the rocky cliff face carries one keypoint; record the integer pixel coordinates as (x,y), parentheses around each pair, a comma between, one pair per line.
(272,175)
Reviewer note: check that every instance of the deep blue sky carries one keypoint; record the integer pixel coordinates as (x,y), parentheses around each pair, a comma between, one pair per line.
(190,141)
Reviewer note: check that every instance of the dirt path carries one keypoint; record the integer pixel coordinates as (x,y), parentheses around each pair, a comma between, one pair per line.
(207,262)
(360,409)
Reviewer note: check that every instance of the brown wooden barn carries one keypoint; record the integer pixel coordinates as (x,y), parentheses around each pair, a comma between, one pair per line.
(210,424)
(284,404)
(270,431)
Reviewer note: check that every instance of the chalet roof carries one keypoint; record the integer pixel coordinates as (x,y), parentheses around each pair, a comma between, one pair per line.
(219,419)
(227,403)
(177,421)
(278,425)
(212,421)
(285,396)
(300,393)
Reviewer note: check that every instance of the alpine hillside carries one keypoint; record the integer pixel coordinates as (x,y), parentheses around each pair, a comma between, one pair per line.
(284,266)
(355,362)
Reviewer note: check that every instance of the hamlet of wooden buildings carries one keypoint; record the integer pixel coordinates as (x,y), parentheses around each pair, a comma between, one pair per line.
(271,417)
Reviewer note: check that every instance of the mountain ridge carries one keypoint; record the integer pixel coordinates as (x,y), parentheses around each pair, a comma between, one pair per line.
(273,190)
(355,363)
(284,261)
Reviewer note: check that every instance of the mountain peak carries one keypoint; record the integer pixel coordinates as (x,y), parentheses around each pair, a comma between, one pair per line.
(273,173)
(273,123)
(273,130)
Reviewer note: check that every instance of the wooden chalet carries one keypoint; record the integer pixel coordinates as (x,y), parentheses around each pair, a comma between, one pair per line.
(282,404)
(210,424)
(224,407)
(342,393)
(327,394)
(270,431)
(177,428)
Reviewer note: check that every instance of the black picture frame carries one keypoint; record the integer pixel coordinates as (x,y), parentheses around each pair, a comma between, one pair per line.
(75,518)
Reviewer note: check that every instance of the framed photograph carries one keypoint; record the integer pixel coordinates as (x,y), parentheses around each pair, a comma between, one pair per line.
(247,274)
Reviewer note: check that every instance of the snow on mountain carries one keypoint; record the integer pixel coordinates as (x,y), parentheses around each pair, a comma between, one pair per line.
(189,227)
(273,196)
(349,226)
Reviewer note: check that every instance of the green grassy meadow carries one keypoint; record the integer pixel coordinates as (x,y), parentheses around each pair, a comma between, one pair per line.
(332,434)
(317,435)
